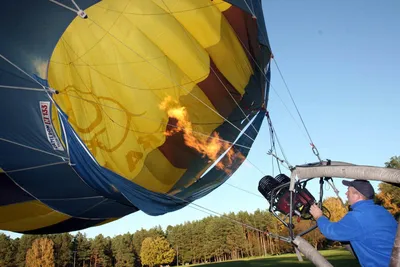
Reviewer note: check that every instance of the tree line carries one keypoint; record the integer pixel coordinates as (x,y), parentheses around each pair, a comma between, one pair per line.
(212,239)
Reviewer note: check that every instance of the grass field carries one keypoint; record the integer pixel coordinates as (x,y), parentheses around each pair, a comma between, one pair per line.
(337,257)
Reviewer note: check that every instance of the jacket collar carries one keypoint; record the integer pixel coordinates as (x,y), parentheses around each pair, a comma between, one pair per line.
(362,203)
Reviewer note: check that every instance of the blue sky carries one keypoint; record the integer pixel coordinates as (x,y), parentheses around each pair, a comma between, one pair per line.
(340,60)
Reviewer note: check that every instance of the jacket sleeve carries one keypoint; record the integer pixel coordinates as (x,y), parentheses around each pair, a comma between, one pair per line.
(347,229)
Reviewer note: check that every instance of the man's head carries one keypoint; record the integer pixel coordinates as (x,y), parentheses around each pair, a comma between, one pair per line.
(358,190)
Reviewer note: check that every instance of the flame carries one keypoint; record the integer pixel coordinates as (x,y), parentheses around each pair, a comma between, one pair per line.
(207,146)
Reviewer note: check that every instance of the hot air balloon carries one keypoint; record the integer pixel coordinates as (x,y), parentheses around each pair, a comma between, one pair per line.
(114,106)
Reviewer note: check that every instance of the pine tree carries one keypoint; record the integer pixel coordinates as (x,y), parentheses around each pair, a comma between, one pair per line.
(83,252)
(101,253)
(7,251)
(123,251)
(62,249)
(24,243)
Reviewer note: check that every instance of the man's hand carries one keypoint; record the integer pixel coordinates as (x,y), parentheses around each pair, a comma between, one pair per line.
(315,211)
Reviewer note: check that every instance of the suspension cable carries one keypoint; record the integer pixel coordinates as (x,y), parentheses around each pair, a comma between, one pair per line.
(37,167)
(313,147)
(270,83)
(21,70)
(211,212)
(23,88)
(250,9)
(78,10)
(335,190)
(32,148)
(294,103)
(241,189)
(64,6)
(277,139)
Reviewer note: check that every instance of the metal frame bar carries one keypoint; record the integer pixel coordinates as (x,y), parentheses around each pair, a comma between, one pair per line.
(290,224)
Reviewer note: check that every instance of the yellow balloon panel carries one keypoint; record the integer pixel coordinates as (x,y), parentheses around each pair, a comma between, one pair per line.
(200,18)
(114,69)
(28,215)
(230,58)
(158,174)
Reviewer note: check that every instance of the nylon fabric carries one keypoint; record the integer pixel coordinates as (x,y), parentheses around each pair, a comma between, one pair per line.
(28,215)
(100,141)
(162,55)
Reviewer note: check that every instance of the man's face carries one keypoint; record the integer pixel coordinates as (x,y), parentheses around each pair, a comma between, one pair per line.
(353,195)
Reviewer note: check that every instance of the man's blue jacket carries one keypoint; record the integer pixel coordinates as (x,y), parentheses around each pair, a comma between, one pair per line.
(370,228)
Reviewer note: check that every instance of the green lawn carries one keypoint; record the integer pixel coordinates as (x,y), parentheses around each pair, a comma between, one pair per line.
(337,257)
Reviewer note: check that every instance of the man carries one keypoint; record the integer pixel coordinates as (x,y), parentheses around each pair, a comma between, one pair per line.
(370,228)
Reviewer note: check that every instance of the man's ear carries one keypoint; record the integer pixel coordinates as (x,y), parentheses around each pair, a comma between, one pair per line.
(360,196)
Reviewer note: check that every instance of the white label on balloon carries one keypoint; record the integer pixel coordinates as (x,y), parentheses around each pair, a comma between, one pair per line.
(45,109)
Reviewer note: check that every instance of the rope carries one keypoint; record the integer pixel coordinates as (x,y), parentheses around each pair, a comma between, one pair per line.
(27,192)
(273,149)
(37,167)
(272,131)
(291,97)
(45,89)
(277,139)
(248,226)
(279,160)
(32,148)
(336,191)
(77,7)
(270,83)
(250,9)
(211,212)
(21,70)
(314,148)
(241,189)
(23,88)
(64,6)
(78,10)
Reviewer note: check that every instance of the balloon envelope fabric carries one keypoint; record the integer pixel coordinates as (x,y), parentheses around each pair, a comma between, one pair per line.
(114,106)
